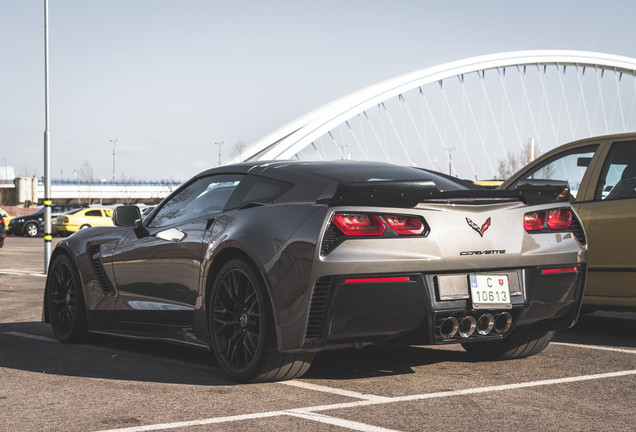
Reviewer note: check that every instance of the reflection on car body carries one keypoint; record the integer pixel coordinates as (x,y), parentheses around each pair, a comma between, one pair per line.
(601,172)
(266,263)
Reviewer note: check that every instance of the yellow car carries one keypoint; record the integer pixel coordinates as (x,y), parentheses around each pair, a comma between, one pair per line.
(6,217)
(78,219)
(489,184)
(601,175)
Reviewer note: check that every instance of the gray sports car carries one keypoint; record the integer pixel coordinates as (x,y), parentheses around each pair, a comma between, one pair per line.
(267,263)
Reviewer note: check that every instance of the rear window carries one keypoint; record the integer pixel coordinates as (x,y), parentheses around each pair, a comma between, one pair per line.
(352,173)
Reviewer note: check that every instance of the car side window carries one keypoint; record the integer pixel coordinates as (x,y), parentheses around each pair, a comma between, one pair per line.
(256,189)
(93,213)
(204,196)
(618,177)
(569,166)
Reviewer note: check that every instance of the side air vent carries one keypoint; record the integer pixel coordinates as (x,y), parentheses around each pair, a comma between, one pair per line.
(577,230)
(95,259)
(318,309)
(332,238)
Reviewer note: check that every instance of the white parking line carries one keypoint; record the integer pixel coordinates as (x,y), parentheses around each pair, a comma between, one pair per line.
(15,272)
(596,347)
(332,390)
(335,421)
(306,412)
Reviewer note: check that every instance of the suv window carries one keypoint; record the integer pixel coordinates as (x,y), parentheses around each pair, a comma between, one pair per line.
(204,196)
(569,166)
(618,178)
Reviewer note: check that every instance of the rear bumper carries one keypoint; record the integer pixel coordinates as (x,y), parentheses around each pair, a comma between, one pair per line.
(61,229)
(410,308)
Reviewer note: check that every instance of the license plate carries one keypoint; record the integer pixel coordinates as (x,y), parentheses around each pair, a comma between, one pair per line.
(490,291)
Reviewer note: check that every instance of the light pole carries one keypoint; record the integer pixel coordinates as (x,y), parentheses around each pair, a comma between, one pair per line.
(219,143)
(114,141)
(450,159)
(48,237)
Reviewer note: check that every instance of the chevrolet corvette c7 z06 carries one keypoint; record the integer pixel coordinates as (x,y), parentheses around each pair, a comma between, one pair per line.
(267,263)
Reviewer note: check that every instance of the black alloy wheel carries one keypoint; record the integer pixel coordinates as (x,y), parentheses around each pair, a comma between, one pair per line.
(236,320)
(243,334)
(65,301)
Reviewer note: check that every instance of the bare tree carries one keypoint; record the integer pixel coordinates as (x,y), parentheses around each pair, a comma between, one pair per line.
(86,175)
(238,149)
(508,167)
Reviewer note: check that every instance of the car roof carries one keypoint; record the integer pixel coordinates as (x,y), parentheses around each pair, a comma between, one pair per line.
(330,171)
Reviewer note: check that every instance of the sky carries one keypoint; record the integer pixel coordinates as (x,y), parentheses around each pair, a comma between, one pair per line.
(170,78)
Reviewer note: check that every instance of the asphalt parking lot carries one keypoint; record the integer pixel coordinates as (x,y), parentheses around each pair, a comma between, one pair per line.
(585,380)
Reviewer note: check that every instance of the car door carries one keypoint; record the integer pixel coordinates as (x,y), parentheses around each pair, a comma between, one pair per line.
(609,217)
(157,275)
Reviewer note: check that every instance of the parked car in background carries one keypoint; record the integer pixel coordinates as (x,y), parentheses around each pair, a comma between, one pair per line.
(6,216)
(266,263)
(2,230)
(77,219)
(601,174)
(33,224)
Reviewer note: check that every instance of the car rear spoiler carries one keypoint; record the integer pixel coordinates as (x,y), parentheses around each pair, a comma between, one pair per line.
(408,194)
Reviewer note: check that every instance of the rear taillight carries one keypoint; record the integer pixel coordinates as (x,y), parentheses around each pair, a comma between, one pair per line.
(533,221)
(555,219)
(359,224)
(65,220)
(405,225)
(559,219)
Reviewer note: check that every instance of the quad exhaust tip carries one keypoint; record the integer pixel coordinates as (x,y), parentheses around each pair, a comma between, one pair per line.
(465,327)
(485,324)
(448,327)
(503,321)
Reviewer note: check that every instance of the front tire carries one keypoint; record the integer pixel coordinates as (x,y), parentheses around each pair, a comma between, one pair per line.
(242,328)
(65,301)
(519,344)
(31,229)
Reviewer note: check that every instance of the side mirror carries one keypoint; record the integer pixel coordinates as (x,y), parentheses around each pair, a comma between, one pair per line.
(583,161)
(130,216)
(126,216)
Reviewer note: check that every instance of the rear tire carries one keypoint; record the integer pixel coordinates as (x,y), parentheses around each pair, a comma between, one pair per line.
(31,229)
(84,226)
(242,328)
(65,301)
(519,344)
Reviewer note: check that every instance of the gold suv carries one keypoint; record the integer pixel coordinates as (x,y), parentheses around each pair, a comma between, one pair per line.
(78,219)
(601,173)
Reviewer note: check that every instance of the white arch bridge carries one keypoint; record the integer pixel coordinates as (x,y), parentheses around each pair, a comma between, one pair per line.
(481,117)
